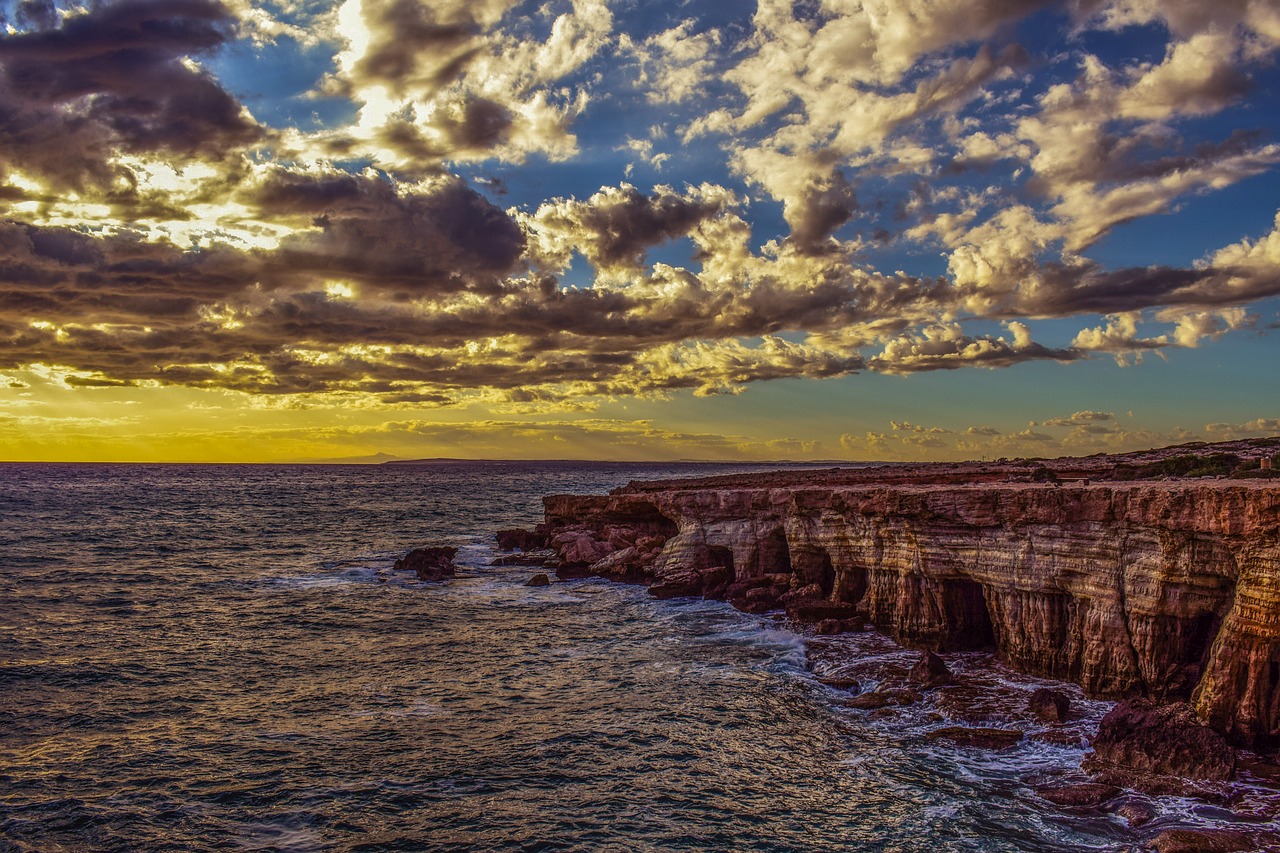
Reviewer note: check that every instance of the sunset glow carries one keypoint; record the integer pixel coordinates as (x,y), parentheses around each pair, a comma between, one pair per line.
(853,229)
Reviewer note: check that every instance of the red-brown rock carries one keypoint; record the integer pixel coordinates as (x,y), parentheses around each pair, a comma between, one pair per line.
(539,579)
(1167,740)
(1051,706)
(930,671)
(1080,795)
(977,737)
(521,540)
(1208,841)
(429,564)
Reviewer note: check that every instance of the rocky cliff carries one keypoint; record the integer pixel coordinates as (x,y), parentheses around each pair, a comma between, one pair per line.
(1163,589)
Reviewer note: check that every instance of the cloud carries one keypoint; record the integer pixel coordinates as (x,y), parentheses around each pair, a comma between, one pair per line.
(946,347)
(675,64)
(1255,427)
(456,81)
(1085,418)
(616,225)
(117,78)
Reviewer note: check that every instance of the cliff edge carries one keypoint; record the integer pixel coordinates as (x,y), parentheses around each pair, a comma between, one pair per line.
(1130,587)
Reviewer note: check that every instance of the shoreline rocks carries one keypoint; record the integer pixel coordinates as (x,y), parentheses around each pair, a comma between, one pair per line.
(1141,739)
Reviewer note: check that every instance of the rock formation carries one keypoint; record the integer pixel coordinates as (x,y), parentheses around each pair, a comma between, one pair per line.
(429,564)
(1162,589)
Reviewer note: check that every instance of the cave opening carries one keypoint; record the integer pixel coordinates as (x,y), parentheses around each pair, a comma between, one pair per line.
(721,557)
(853,584)
(1200,636)
(646,516)
(775,554)
(814,566)
(969,625)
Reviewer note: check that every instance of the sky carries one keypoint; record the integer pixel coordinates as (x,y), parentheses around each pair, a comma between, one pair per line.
(608,229)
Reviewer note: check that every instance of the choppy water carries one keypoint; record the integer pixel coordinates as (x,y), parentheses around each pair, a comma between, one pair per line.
(219,657)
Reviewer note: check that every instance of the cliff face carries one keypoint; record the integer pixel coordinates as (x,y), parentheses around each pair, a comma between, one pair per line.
(1163,590)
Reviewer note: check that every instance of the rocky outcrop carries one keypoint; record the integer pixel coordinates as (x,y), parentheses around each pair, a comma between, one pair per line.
(1050,706)
(1161,740)
(1169,590)
(429,564)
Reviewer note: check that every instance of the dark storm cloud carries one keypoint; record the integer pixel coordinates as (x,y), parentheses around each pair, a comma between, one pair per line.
(414,43)
(450,238)
(824,206)
(617,225)
(112,79)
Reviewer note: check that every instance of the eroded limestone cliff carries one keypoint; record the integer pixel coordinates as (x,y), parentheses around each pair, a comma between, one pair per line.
(1168,590)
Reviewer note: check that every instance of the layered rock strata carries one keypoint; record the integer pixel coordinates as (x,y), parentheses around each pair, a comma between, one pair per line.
(1162,590)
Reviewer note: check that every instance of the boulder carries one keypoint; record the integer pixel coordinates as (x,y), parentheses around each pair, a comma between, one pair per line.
(828,627)
(1167,740)
(979,737)
(812,591)
(1051,706)
(429,564)
(759,600)
(577,547)
(627,565)
(930,671)
(539,579)
(1135,812)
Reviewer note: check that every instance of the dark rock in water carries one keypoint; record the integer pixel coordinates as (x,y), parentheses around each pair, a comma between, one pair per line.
(538,580)
(1080,795)
(1207,841)
(981,738)
(1052,706)
(931,671)
(429,564)
(829,627)
(1159,739)
(521,540)
(758,600)
(1135,812)
(882,699)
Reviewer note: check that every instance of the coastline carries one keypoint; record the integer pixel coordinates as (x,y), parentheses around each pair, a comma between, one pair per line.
(1156,592)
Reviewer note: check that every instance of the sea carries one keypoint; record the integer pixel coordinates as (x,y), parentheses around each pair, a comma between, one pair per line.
(221,657)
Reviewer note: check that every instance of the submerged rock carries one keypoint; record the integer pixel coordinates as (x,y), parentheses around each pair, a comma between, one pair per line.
(434,563)
(539,579)
(1135,812)
(878,699)
(1164,740)
(978,737)
(1079,795)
